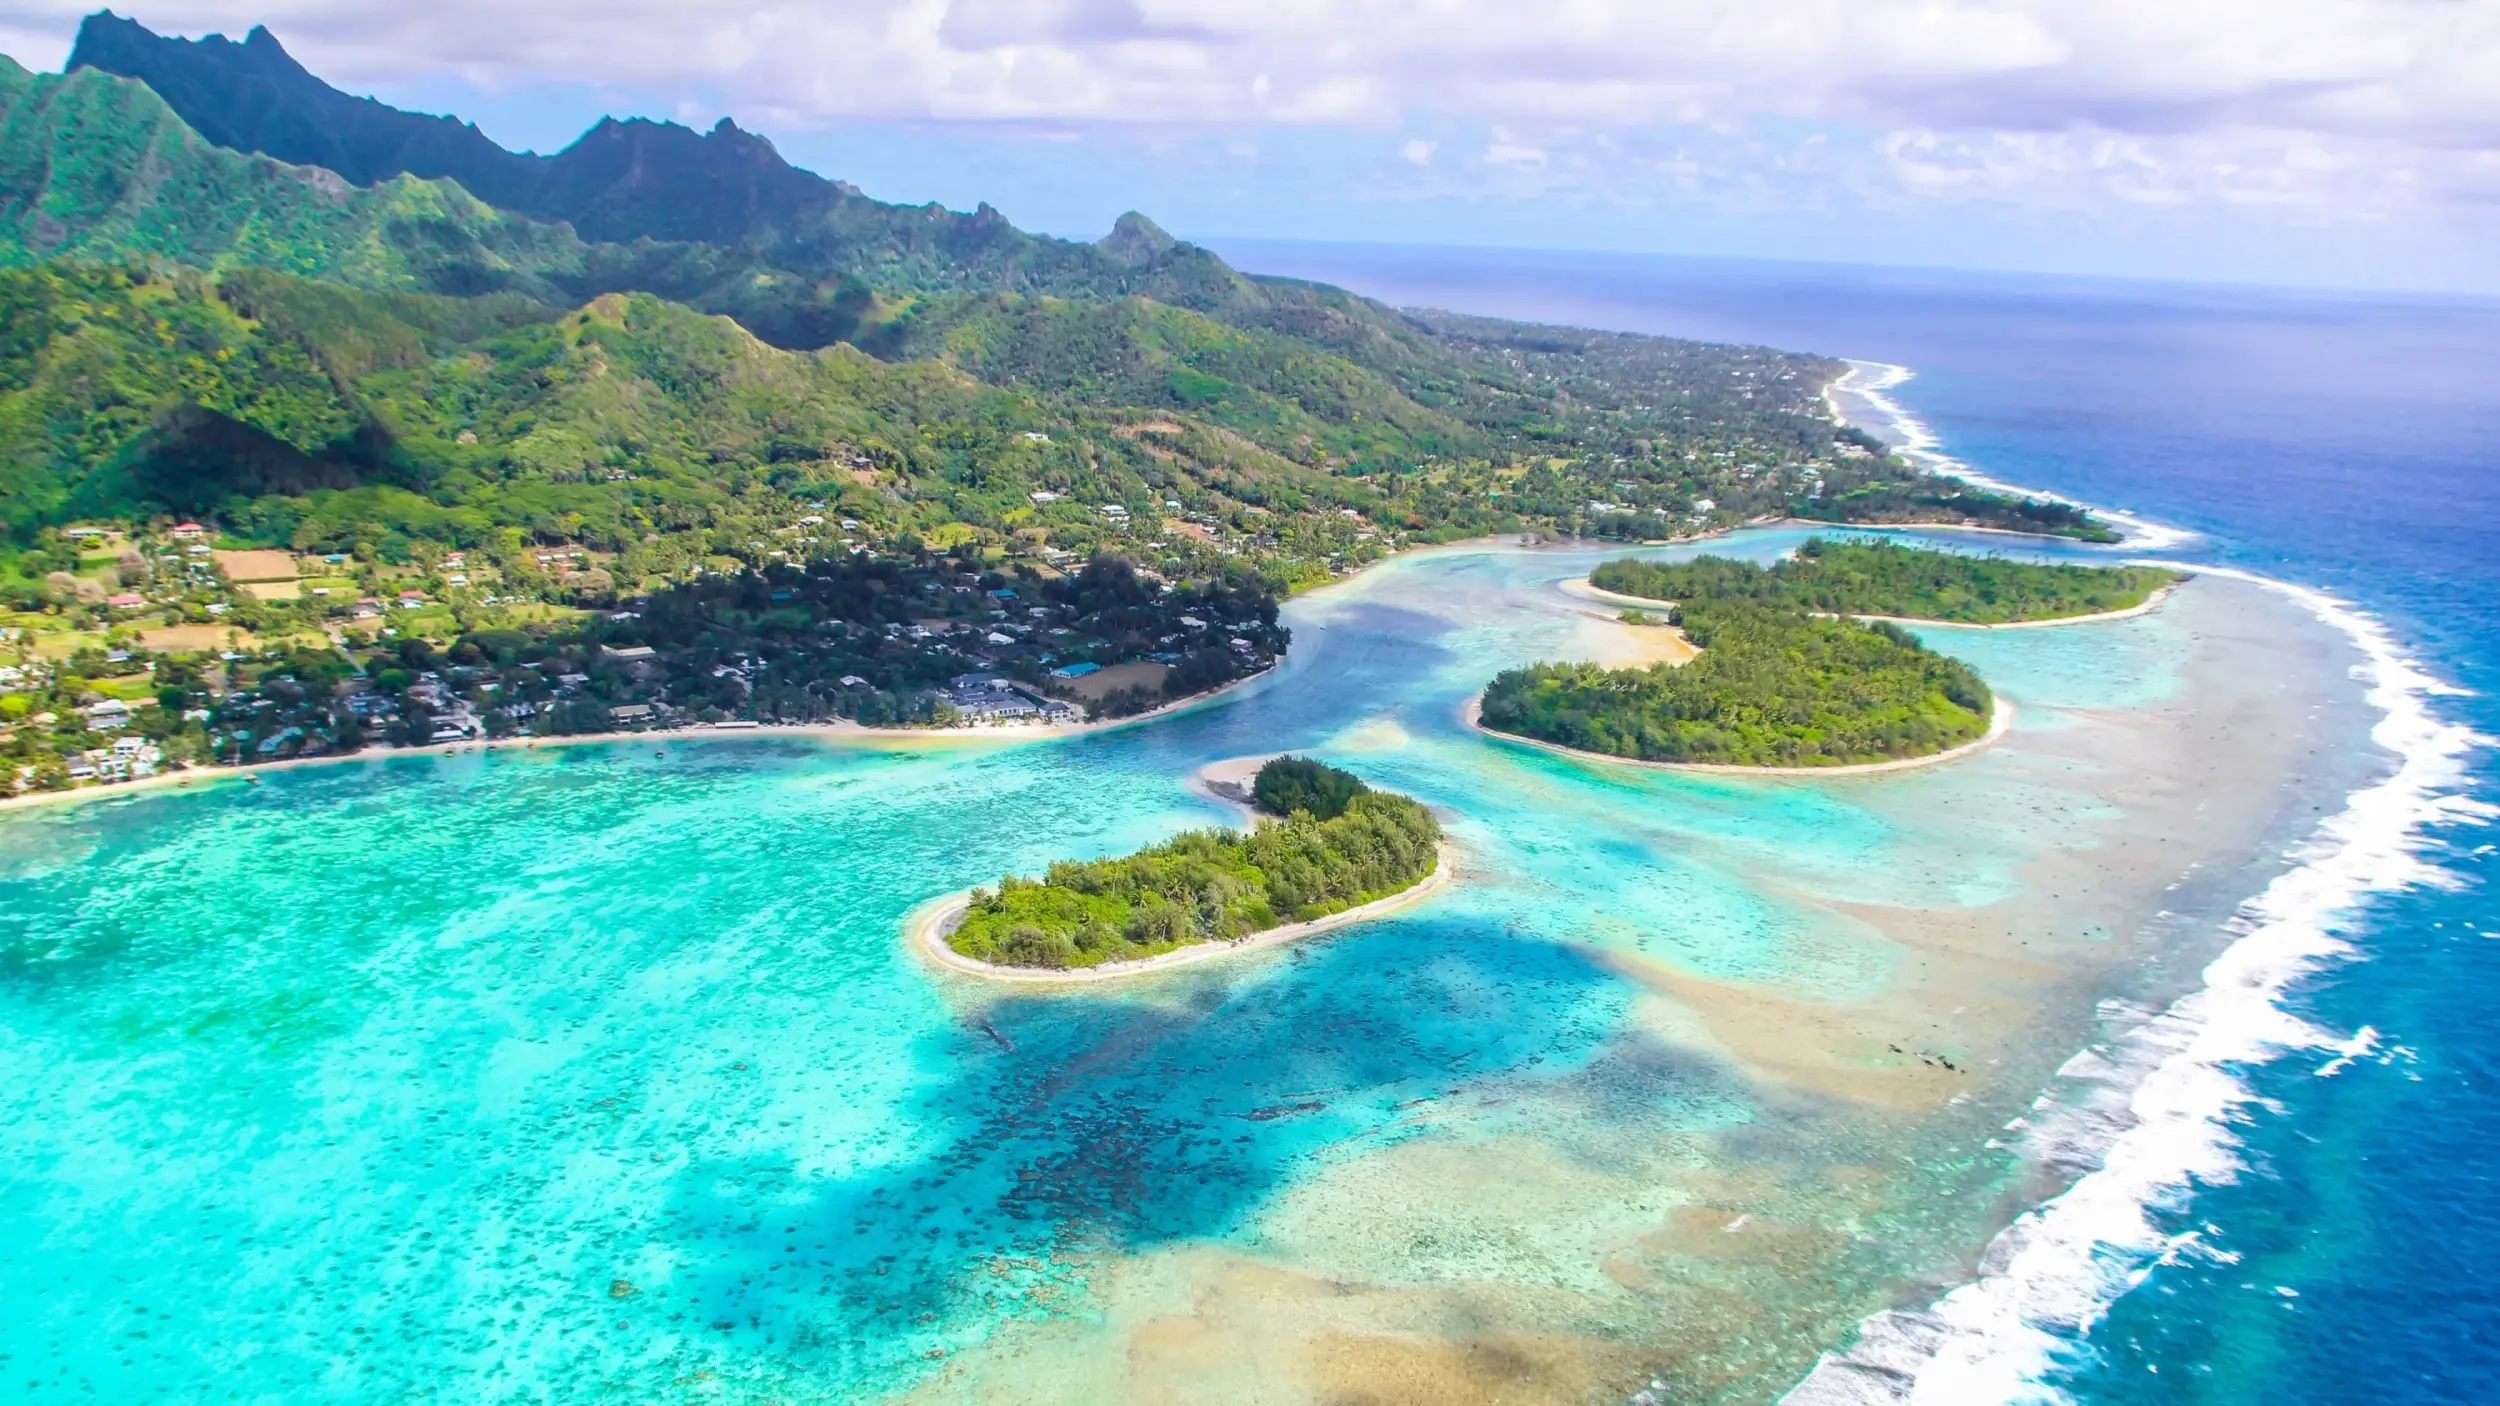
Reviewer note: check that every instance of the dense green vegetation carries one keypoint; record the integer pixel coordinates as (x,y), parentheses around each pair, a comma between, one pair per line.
(1883,497)
(323,418)
(1773,686)
(318,416)
(1432,426)
(1872,576)
(711,210)
(1289,784)
(505,415)
(1209,885)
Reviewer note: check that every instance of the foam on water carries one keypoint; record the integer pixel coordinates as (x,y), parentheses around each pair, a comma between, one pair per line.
(2159,1108)
(594,1065)
(1873,382)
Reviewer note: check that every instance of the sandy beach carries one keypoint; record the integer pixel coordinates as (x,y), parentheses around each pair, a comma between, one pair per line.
(1228,782)
(925,932)
(1581,586)
(1662,1059)
(1393,1275)
(2147,606)
(1619,644)
(1000,733)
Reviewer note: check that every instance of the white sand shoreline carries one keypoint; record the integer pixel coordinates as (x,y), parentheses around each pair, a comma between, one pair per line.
(208,777)
(925,930)
(1925,449)
(2000,722)
(1003,733)
(1228,781)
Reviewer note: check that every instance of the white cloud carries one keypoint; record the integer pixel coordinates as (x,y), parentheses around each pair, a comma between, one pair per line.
(2377,67)
(2312,103)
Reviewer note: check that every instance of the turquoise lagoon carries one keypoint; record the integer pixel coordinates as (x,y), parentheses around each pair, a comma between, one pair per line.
(602,1072)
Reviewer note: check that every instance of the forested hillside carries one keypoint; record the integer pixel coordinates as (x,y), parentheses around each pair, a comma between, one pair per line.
(306,373)
(1445,424)
(322,418)
(626,181)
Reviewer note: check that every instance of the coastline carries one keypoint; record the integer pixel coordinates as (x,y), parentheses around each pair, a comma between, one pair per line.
(925,929)
(1917,442)
(1227,783)
(150,785)
(2000,723)
(1941,525)
(1583,588)
(1920,445)
(2184,1071)
(1628,1103)
(1014,733)
(1004,733)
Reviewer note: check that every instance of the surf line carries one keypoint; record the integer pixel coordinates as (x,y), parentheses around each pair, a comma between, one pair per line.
(1921,444)
(2055,1272)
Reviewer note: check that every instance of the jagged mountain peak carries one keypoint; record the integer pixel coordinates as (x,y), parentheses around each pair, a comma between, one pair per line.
(109,41)
(1136,240)
(624,179)
(702,214)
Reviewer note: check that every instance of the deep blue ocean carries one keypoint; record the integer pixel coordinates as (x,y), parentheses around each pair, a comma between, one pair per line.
(2342,441)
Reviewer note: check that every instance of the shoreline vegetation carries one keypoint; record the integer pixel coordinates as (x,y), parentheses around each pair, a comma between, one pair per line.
(1796,670)
(422,467)
(1335,851)
(185,777)
(838,731)
(2000,722)
(927,928)
(1875,579)
(1581,588)
(1771,686)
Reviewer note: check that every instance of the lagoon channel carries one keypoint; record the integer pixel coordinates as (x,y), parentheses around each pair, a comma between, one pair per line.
(602,1072)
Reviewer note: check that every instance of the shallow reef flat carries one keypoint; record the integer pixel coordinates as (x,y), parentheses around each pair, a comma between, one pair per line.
(596,1066)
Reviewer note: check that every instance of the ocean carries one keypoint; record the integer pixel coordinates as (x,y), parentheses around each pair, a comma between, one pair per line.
(2334,1250)
(602,1072)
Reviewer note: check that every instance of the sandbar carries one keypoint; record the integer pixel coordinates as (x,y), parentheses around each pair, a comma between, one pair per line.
(1228,783)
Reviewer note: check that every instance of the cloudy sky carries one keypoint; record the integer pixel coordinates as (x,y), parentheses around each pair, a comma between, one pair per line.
(2352,142)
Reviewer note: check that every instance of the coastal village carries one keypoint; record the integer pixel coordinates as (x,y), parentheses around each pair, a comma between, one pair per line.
(160,647)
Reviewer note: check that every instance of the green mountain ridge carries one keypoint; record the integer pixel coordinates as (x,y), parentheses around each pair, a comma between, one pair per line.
(96,170)
(195,330)
(319,416)
(623,181)
(100,168)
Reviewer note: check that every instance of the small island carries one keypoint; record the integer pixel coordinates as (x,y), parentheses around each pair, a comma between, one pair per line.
(1798,665)
(1873,577)
(1332,850)
(1772,687)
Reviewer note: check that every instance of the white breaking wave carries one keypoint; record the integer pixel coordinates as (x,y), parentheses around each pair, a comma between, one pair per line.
(2171,1090)
(1873,382)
